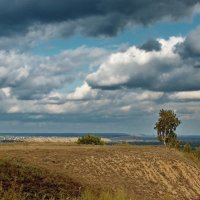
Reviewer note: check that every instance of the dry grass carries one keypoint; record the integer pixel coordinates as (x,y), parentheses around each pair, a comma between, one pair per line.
(22,180)
(142,173)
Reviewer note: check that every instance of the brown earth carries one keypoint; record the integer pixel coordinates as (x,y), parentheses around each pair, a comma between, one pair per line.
(142,172)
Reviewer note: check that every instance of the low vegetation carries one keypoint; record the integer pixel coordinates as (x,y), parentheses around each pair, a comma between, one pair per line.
(90,139)
(197,153)
(193,155)
(19,180)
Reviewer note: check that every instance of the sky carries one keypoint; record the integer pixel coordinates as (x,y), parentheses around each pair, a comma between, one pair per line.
(93,66)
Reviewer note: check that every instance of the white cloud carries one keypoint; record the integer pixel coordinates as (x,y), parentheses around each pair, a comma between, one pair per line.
(125,108)
(161,70)
(82,92)
(6,91)
(149,95)
(138,68)
(14,109)
(191,95)
(32,77)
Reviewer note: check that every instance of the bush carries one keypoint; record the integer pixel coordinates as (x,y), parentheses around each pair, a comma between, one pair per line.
(197,153)
(175,144)
(90,139)
(187,148)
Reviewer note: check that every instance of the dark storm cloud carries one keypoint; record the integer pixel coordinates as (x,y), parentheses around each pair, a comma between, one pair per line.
(190,48)
(91,17)
(151,45)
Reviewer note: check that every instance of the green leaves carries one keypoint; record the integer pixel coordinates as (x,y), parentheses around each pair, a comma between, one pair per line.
(166,125)
(90,139)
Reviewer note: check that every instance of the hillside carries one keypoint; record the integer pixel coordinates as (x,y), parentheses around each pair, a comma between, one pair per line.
(141,172)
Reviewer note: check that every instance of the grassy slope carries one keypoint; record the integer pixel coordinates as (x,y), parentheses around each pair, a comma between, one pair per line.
(34,182)
(142,172)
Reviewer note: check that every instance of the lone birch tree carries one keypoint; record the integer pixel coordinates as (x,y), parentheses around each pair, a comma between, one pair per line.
(166,126)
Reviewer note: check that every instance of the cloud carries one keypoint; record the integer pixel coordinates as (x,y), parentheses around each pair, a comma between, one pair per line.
(32,77)
(188,96)
(120,85)
(120,90)
(83,93)
(89,17)
(190,48)
(151,45)
(164,70)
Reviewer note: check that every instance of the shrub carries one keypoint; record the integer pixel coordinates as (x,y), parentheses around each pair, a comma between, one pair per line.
(175,144)
(197,153)
(187,148)
(90,139)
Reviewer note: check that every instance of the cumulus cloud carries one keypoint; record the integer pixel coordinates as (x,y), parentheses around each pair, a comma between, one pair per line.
(83,93)
(32,77)
(164,70)
(90,17)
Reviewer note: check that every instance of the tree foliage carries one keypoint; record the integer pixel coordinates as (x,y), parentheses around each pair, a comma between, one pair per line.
(166,126)
(90,139)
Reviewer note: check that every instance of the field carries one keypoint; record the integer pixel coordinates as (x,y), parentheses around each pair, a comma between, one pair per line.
(140,172)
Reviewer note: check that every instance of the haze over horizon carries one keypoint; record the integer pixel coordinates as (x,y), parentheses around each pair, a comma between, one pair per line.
(98,66)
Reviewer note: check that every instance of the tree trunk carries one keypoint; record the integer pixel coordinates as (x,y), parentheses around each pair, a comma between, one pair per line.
(164,141)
